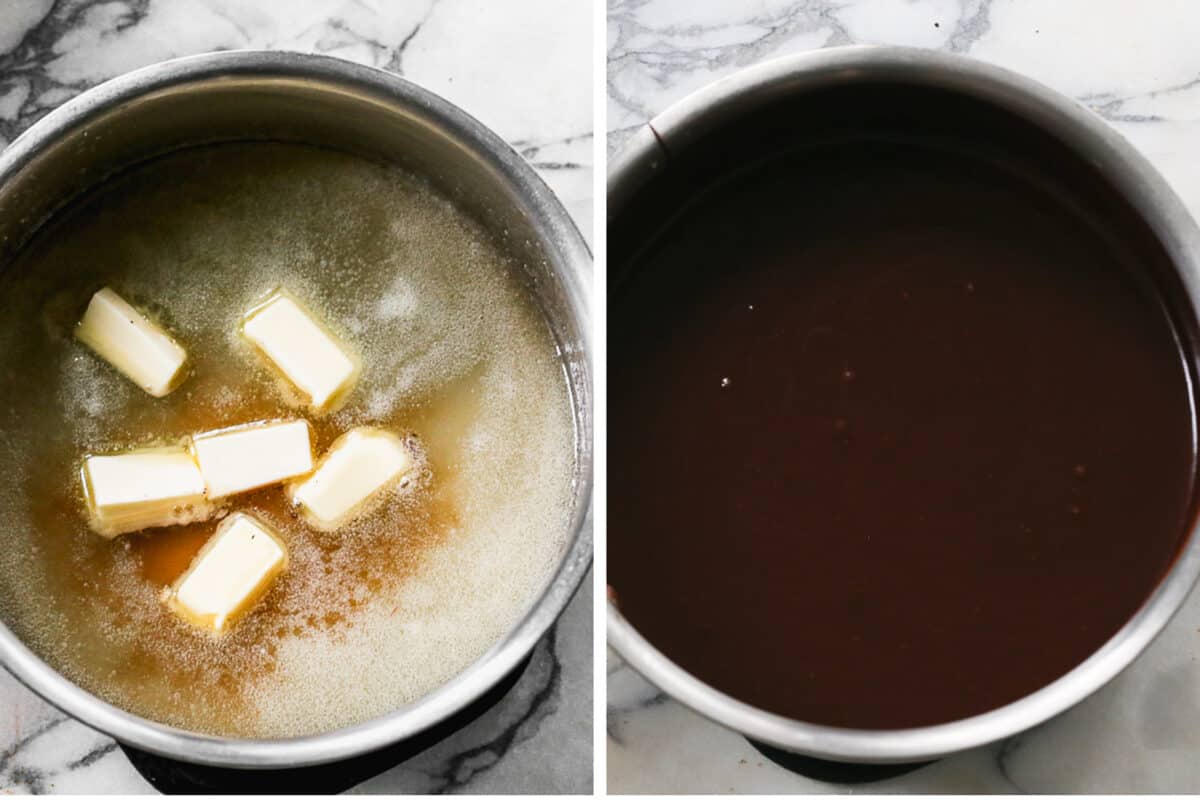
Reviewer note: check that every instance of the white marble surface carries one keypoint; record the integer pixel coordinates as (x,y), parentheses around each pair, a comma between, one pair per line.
(524,68)
(1135,64)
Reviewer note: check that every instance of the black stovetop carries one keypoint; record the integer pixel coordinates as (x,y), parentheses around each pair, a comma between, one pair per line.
(176,777)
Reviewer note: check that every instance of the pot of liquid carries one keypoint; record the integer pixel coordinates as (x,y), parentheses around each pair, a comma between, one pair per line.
(906,353)
(194,189)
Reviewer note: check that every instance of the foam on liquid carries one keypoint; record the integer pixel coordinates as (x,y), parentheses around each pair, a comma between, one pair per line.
(456,355)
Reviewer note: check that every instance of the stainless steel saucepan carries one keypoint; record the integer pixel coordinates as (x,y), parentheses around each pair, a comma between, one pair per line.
(241,96)
(739,119)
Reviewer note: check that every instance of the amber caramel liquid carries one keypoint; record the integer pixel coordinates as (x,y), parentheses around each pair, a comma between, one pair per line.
(457,358)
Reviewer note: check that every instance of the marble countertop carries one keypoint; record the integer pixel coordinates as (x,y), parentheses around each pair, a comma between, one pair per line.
(524,69)
(1139,69)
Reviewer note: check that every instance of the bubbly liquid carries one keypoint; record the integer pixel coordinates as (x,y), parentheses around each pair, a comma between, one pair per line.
(456,355)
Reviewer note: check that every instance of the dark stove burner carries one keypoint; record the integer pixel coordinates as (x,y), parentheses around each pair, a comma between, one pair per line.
(834,771)
(177,777)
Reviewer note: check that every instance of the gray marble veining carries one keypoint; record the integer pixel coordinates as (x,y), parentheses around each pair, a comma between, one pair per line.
(1136,66)
(524,69)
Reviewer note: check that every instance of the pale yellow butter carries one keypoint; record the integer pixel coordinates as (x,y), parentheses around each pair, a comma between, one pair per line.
(358,467)
(250,456)
(123,337)
(302,348)
(143,489)
(233,570)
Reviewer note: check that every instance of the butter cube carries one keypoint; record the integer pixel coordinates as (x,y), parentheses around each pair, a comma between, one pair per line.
(143,351)
(143,489)
(358,467)
(302,348)
(250,456)
(229,575)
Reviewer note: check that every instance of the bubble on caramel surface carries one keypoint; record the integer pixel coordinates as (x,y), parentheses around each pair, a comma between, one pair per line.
(456,356)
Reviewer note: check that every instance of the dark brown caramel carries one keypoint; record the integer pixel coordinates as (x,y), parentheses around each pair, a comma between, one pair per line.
(896,436)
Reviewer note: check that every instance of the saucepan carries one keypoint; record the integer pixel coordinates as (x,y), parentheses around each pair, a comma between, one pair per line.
(243,96)
(734,121)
